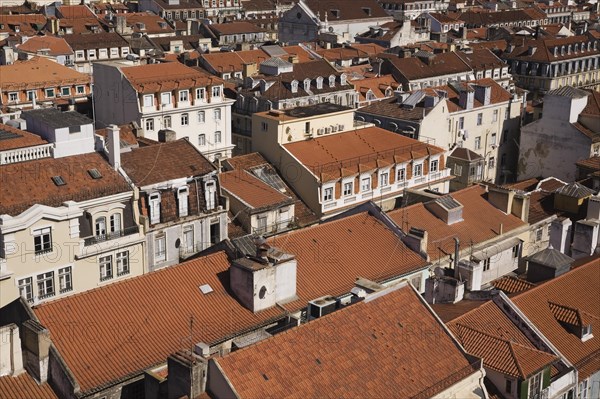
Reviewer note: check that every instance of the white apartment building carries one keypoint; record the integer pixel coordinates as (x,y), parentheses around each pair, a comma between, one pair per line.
(166,98)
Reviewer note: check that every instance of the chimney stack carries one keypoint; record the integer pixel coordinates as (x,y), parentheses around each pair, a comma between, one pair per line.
(11,358)
(114,147)
(187,375)
(36,349)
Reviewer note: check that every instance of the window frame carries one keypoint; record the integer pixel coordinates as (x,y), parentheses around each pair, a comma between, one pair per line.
(65,279)
(365,187)
(160,254)
(105,264)
(45,245)
(347,193)
(122,261)
(45,283)
(328,194)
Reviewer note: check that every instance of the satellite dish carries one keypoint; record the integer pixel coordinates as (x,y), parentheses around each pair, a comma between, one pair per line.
(439,272)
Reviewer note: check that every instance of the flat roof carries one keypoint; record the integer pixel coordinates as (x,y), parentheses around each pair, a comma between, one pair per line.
(58,119)
(306,112)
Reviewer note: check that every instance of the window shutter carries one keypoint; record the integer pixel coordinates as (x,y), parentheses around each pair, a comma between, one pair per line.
(523,389)
(546,378)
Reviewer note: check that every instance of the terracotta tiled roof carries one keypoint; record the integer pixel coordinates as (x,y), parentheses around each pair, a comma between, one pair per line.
(593,104)
(501,355)
(362,350)
(155,324)
(251,190)
(481,59)
(332,255)
(326,8)
(465,154)
(55,45)
(24,386)
(95,40)
(594,136)
(163,162)
(481,221)
(512,285)
(38,72)
(233,28)
(77,11)
(151,78)
(246,161)
(472,18)
(126,135)
(28,183)
(592,163)
(153,24)
(28,25)
(414,68)
(83,25)
(329,157)
(545,49)
(577,289)
(524,185)
(22,138)
(493,45)
(377,85)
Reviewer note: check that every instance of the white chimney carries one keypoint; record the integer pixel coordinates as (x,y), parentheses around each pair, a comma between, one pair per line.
(114,147)
(11,358)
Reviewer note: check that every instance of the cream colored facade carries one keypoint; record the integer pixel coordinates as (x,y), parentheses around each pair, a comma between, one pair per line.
(76,258)
(273,129)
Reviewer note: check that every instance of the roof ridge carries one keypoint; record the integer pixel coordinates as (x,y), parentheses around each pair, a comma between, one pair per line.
(515,359)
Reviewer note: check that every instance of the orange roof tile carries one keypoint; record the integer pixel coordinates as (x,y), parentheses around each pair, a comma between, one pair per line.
(333,254)
(481,221)
(22,139)
(363,350)
(377,85)
(155,323)
(152,78)
(577,289)
(24,386)
(28,24)
(77,11)
(512,285)
(38,72)
(356,150)
(251,190)
(28,183)
(55,45)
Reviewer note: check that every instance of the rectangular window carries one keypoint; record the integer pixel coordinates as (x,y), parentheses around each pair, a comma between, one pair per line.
(115,222)
(457,170)
(100,226)
(217,137)
(348,189)
(516,250)
(80,89)
(150,124)
(493,140)
(106,268)
(201,94)
(45,284)
(184,96)
(477,142)
(486,264)
(154,209)
(433,166)
(185,119)
(495,116)
(535,383)
(492,163)
(65,279)
(13,96)
(122,263)
(365,184)
(418,170)
(201,139)
(217,114)
(65,91)
(264,126)
(165,98)
(26,288)
(49,93)
(479,119)
(539,233)
(401,174)
(160,249)
(188,238)
(508,387)
(182,200)
(384,179)
(148,100)
(201,116)
(507,113)
(461,122)
(216,91)
(167,122)
(42,240)
(328,194)
(31,94)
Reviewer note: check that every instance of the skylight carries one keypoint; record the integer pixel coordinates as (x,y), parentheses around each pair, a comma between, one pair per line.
(206,289)
(95,173)
(58,180)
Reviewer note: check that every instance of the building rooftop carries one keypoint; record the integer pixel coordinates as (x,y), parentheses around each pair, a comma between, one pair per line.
(24,386)
(26,184)
(362,349)
(414,68)
(465,154)
(512,285)
(338,10)
(57,119)
(550,257)
(155,324)
(55,45)
(81,41)
(481,222)
(234,28)
(163,162)
(38,72)
(252,191)
(344,154)
(575,190)
(305,112)
(151,78)
(577,290)
(11,138)
(543,51)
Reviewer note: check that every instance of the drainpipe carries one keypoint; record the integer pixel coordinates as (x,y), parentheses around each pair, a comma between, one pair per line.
(456,251)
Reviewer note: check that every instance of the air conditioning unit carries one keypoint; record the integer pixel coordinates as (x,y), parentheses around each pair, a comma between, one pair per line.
(321,307)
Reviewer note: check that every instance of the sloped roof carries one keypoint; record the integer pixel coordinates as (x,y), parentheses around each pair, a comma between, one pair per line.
(327,8)
(17,138)
(575,190)
(155,323)
(38,72)
(465,154)
(568,91)
(512,285)
(480,223)
(365,348)
(55,45)
(251,190)
(151,78)
(24,386)
(576,289)
(165,161)
(550,257)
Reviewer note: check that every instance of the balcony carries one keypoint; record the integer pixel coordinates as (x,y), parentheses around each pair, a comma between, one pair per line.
(93,240)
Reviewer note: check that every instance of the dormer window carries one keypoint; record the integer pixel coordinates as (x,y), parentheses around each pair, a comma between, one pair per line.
(556,51)
(210,194)
(586,332)
(182,201)
(216,92)
(306,84)
(332,81)
(343,79)
(154,203)
(319,82)
(201,94)
(294,86)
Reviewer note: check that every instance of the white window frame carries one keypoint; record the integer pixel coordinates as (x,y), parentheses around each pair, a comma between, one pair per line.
(167,123)
(105,264)
(461,122)
(160,248)
(217,114)
(123,263)
(328,193)
(13,96)
(31,94)
(182,201)
(480,119)
(154,205)
(45,240)
(218,137)
(434,165)
(45,284)
(188,238)
(202,139)
(365,184)
(418,169)
(477,144)
(148,100)
(115,223)
(201,116)
(26,288)
(165,98)
(216,92)
(348,184)
(184,96)
(384,178)
(100,226)
(50,90)
(185,119)
(65,279)
(495,115)
(201,93)
(150,124)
